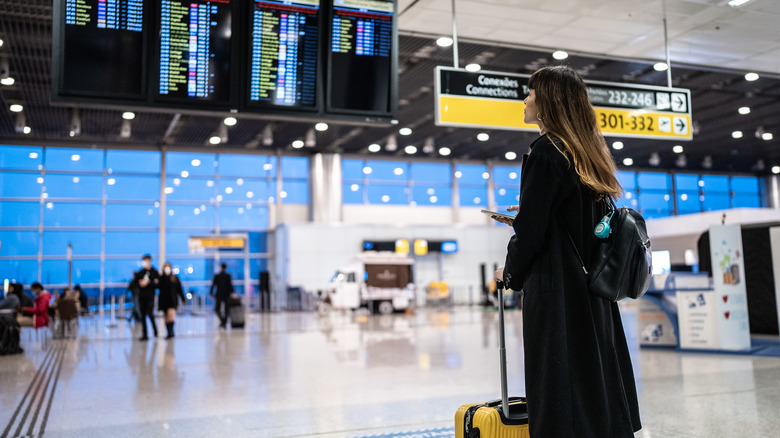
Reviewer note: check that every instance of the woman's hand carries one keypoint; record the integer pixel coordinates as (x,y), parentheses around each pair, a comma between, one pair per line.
(504,220)
(499,275)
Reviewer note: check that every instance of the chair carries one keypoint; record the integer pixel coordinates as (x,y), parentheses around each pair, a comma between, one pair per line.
(66,323)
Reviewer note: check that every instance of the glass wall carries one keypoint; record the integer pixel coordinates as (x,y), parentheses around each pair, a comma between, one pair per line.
(108,205)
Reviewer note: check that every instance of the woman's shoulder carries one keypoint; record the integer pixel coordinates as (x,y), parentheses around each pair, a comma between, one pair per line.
(550,147)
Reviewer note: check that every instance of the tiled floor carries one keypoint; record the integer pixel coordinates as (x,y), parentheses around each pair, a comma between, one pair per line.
(294,374)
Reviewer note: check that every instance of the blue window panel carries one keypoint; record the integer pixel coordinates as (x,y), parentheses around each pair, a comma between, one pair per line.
(252,166)
(440,173)
(256,266)
(132,242)
(189,216)
(685,182)
(192,163)
(74,186)
(655,204)
(507,175)
(132,215)
(715,183)
(471,174)
(133,187)
(19,243)
(121,270)
(193,269)
(506,196)
(177,242)
(629,199)
(21,157)
(235,267)
(20,185)
(746,201)
(688,201)
(352,169)
(20,214)
(654,181)
(388,171)
(440,195)
(243,218)
(190,189)
(716,201)
(745,184)
(84,242)
(133,161)
(64,214)
(258,242)
(388,194)
(55,272)
(627,180)
(353,193)
(89,160)
(245,190)
(297,192)
(473,196)
(19,271)
(295,167)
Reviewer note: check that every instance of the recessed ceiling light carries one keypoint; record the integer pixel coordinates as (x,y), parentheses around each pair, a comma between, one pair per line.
(1,43)
(27,130)
(736,134)
(775,169)
(473,67)
(677,149)
(767,136)
(297,144)
(660,66)
(75,157)
(618,145)
(7,81)
(444,151)
(444,41)
(405,131)
(628,161)
(230,121)
(411,149)
(128,115)
(744,110)
(483,136)
(560,54)
(16,108)
(321,127)
(215,140)
(510,155)
(751,77)
(374,148)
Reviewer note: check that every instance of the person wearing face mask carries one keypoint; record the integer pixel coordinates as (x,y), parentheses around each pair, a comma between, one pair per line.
(170,292)
(146,280)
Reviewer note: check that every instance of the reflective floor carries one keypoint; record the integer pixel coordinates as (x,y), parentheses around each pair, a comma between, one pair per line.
(346,375)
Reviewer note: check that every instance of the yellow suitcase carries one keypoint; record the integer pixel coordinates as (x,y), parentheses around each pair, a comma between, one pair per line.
(505,418)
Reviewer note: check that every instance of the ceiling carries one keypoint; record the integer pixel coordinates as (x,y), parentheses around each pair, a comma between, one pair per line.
(609,40)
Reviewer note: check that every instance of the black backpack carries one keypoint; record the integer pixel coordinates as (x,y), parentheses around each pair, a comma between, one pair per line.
(9,336)
(622,258)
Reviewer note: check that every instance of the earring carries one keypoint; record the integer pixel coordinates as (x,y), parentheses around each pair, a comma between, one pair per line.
(538,116)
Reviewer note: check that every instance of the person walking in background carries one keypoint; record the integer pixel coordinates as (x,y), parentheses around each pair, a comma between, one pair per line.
(224,285)
(170,292)
(39,310)
(146,280)
(82,298)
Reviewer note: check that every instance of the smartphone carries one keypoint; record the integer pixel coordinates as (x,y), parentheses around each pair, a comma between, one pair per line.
(495,213)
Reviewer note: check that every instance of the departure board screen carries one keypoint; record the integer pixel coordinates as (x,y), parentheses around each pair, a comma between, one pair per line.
(195,47)
(283,62)
(361,55)
(103,48)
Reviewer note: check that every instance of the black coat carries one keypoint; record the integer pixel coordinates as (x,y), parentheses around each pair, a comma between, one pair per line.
(170,292)
(224,285)
(578,374)
(147,292)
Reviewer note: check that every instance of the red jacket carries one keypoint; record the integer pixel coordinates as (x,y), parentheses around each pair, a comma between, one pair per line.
(41,310)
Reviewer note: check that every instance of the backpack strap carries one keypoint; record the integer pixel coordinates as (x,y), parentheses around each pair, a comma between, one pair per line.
(573,245)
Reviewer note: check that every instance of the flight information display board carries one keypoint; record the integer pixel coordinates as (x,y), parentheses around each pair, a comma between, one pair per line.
(103,51)
(283,58)
(361,56)
(194,53)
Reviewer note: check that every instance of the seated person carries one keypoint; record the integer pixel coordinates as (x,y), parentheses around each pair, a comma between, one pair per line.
(40,309)
(24,299)
(10,302)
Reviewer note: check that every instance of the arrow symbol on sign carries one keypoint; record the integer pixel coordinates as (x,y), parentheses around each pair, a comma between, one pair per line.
(681,125)
(677,101)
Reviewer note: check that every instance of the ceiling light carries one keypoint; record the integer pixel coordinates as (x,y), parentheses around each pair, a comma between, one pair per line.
(775,169)
(678,149)
(16,108)
(510,155)
(7,81)
(321,127)
(411,149)
(444,41)
(744,110)
(398,171)
(560,54)
(618,145)
(660,66)
(297,144)
(367,170)
(27,130)
(751,77)
(374,148)
(1,43)
(767,136)
(33,155)
(655,159)
(128,115)
(473,67)
(405,131)
(195,162)
(444,151)
(230,121)
(736,134)
(483,136)
(215,139)
(628,161)
(735,3)
(75,157)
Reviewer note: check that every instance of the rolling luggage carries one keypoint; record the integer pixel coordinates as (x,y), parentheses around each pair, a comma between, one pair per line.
(505,418)
(236,311)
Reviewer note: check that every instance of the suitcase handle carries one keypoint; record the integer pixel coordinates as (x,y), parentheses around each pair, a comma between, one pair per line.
(502,348)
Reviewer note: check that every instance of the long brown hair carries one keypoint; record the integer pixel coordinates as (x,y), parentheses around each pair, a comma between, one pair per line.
(566,113)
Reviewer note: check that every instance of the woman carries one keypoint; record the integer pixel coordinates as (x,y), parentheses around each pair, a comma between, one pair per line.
(39,310)
(578,374)
(170,292)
